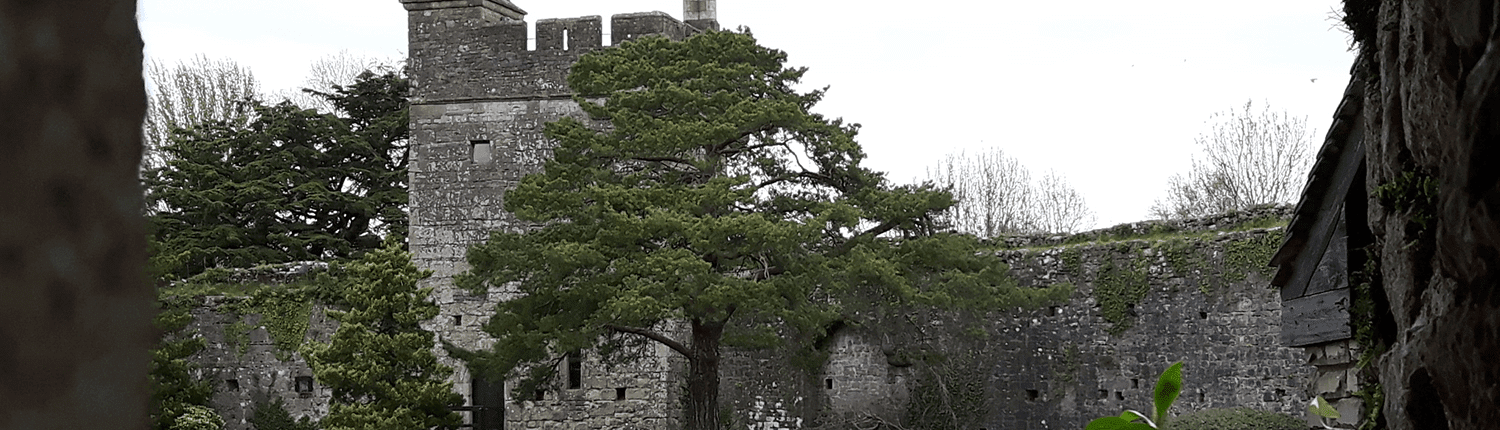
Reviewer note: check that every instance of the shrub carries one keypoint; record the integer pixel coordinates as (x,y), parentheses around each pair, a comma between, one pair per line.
(1235,419)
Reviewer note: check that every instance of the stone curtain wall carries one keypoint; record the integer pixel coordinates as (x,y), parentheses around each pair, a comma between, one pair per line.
(247,368)
(1203,299)
(75,320)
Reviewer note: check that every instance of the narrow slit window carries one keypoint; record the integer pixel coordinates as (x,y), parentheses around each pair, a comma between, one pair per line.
(565,39)
(480,152)
(828,383)
(575,372)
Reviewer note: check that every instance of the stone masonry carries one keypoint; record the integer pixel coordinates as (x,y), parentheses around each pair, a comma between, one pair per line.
(1056,365)
(480,98)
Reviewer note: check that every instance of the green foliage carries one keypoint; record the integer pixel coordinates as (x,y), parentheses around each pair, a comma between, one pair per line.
(1414,194)
(272,415)
(718,199)
(1033,298)
(1168,386)
(1072,258)
(198,417)
(284,314)
(1119,289)
(1362,313)
(1235,419)
(294,184)
(177,397)
(380,365)
(1251,254)
(237,334)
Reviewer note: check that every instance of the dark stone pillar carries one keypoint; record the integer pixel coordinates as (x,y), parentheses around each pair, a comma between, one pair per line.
(75,307)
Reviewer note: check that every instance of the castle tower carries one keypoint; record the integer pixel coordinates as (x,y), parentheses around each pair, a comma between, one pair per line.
(701,14)
(480,97)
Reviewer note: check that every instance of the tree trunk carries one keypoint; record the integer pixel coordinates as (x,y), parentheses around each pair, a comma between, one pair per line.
(703,376)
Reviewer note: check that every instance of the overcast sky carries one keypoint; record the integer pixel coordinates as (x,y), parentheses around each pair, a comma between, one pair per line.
(1108,93)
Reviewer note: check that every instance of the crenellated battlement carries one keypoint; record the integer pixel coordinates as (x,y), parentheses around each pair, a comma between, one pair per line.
(484,49)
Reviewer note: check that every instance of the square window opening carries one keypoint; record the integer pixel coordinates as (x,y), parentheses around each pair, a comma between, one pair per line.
(480,152)
(232,384)
(1032,395)
(620,393)
(304,385)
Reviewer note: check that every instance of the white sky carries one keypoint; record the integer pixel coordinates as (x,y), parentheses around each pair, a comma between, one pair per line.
(1108,93)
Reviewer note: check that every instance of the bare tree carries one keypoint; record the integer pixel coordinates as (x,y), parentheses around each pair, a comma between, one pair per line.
(333,70)
(1059,207)
(1249,159)
(190,93)
(996,196)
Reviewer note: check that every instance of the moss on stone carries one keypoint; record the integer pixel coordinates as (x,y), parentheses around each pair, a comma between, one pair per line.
(1252,254)
(1119,289)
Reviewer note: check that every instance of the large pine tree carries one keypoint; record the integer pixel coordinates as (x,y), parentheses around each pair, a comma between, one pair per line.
(716,199)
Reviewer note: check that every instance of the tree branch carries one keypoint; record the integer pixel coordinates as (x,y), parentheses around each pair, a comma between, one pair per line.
(675,345)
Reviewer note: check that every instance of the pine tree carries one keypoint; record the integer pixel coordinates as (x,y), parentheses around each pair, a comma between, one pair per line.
(380,365)
(716,200)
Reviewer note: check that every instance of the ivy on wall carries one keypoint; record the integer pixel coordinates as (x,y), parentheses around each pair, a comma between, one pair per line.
(1119,288)
(1252,254)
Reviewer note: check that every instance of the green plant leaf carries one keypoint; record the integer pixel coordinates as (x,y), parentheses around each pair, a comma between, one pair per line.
(1167,389)
(1116,423)
(1131,415)
(1322,408)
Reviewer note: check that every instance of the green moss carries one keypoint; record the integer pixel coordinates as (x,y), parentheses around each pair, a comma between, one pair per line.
(237,336)
(1118,290)
(1252,254)
(1072,258)
(1030,299)
(1234,419)
(1413,193)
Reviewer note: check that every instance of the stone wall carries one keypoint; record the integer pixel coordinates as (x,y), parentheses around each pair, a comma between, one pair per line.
(1432,124)
(1202,299)
(248,371)
(480,99)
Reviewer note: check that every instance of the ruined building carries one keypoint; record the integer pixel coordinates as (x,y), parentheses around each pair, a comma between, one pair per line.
(1123,303)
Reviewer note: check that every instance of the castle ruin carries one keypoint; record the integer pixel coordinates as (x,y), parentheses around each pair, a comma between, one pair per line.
(1142,296)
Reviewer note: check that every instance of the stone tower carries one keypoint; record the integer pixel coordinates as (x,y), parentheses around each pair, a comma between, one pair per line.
(480,97)
(701,14)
